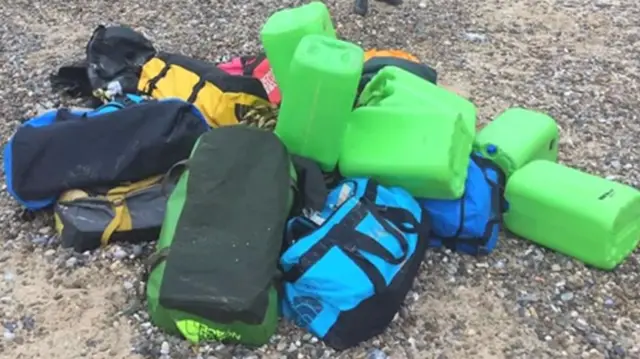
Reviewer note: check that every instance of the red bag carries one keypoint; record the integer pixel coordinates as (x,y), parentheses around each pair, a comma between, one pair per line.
(257,67)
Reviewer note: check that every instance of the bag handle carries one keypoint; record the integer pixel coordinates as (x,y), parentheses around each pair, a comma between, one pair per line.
(121,217)
(172,175)
(149,265)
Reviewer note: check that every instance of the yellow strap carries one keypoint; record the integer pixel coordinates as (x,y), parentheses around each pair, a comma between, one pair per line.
(121,217)
(121,220)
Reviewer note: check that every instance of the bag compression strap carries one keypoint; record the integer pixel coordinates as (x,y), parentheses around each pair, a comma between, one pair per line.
(497,205)
(153,83)
(121,220)
(173,175)
(352,242)
(150,264)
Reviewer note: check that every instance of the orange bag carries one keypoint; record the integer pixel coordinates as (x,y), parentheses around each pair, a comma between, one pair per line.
(389,53)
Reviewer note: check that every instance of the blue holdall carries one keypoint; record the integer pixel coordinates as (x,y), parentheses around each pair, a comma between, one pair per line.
(472,223)
(46,119)
(349,267)
(124,141)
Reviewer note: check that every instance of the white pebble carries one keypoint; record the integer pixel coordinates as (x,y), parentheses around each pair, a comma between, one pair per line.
(71,262)
(9,335)
(9,277)
(164,348)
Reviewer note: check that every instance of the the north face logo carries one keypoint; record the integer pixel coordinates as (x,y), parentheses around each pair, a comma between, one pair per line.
(307,309)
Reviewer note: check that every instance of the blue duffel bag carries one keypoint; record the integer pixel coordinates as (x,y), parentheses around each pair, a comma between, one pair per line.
(348,268)
(47,119)
(470,224)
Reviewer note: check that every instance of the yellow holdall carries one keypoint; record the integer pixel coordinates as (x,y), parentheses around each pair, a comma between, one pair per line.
(220,97)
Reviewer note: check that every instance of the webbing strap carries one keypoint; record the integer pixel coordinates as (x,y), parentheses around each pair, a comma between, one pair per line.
(122,218)
(196,90)
(150,264)
(152,84)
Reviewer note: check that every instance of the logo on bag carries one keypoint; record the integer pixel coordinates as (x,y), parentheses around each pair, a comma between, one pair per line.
(197,332)
(307,309)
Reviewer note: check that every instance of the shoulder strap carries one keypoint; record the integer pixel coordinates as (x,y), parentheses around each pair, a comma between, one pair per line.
(172,176)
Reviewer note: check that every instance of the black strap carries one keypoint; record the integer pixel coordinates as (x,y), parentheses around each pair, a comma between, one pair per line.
(152,84)
(352,242)
(172,176)
(196,89)
(150,264)
(497,206)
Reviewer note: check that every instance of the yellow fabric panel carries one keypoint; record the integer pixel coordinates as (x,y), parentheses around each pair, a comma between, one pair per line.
(389,53)
(217,107)
(178,82)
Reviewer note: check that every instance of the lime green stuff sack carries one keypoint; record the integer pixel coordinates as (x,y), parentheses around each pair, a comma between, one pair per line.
(583,216)
(214,274)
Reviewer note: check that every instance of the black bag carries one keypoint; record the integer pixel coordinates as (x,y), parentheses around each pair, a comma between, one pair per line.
(117,53)
(223,231)
(130,144)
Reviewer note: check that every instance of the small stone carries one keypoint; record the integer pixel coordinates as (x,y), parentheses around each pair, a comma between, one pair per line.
(527,298)
(567,296)
(8,276)
(377,354)
(49,252)
(28,322)
(71,262)
(281,346)
(475,37)
(127,285)
(609,303)
(40,240)
(164,348)
(556,268)
(137,250)
(44,230)
(422,5)
(119,253)
(9,335)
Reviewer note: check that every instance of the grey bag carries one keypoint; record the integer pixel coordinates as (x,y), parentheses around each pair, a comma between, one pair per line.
(131,212)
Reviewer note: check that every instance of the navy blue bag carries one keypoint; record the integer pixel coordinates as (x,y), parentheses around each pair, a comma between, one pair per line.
(349,267)
(126,140)
(47,119)
(472,223)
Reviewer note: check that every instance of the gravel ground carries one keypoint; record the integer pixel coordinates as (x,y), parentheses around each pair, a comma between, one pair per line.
(575,59)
